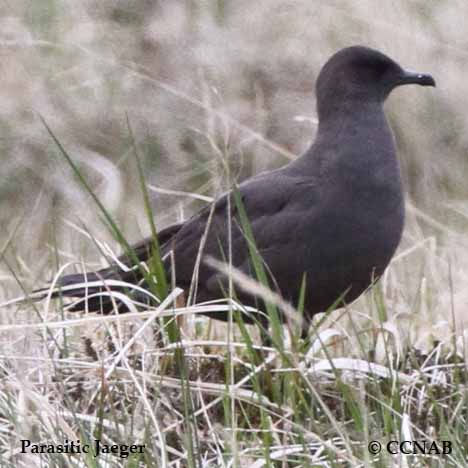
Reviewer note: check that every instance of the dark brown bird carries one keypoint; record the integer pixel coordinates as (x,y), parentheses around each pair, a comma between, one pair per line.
(335,214)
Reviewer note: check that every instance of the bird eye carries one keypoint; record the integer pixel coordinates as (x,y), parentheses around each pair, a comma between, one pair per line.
(371,68)
(372,63)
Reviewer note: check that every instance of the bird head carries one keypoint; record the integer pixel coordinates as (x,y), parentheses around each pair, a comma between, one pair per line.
(362,74)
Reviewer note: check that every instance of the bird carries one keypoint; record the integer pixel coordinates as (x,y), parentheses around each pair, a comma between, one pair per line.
(325,225)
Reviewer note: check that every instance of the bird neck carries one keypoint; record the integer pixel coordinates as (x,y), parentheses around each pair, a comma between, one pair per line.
(341,114)
(356,139)
(354,126)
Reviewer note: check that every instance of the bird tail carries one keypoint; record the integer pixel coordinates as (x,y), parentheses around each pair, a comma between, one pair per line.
(93,291)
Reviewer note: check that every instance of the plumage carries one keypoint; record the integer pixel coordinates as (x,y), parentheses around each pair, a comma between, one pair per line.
(335,214)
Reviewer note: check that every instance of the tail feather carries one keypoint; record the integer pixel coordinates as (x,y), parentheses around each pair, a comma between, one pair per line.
(142,249)
(104,304)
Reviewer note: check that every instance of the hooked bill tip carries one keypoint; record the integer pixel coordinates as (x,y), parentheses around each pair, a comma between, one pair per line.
(422,79)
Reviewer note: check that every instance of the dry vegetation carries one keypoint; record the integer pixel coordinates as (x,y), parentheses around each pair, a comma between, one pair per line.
(201,83)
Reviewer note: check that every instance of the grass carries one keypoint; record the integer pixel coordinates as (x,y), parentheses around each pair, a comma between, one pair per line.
(115,378)
(198,394)
(392,366)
